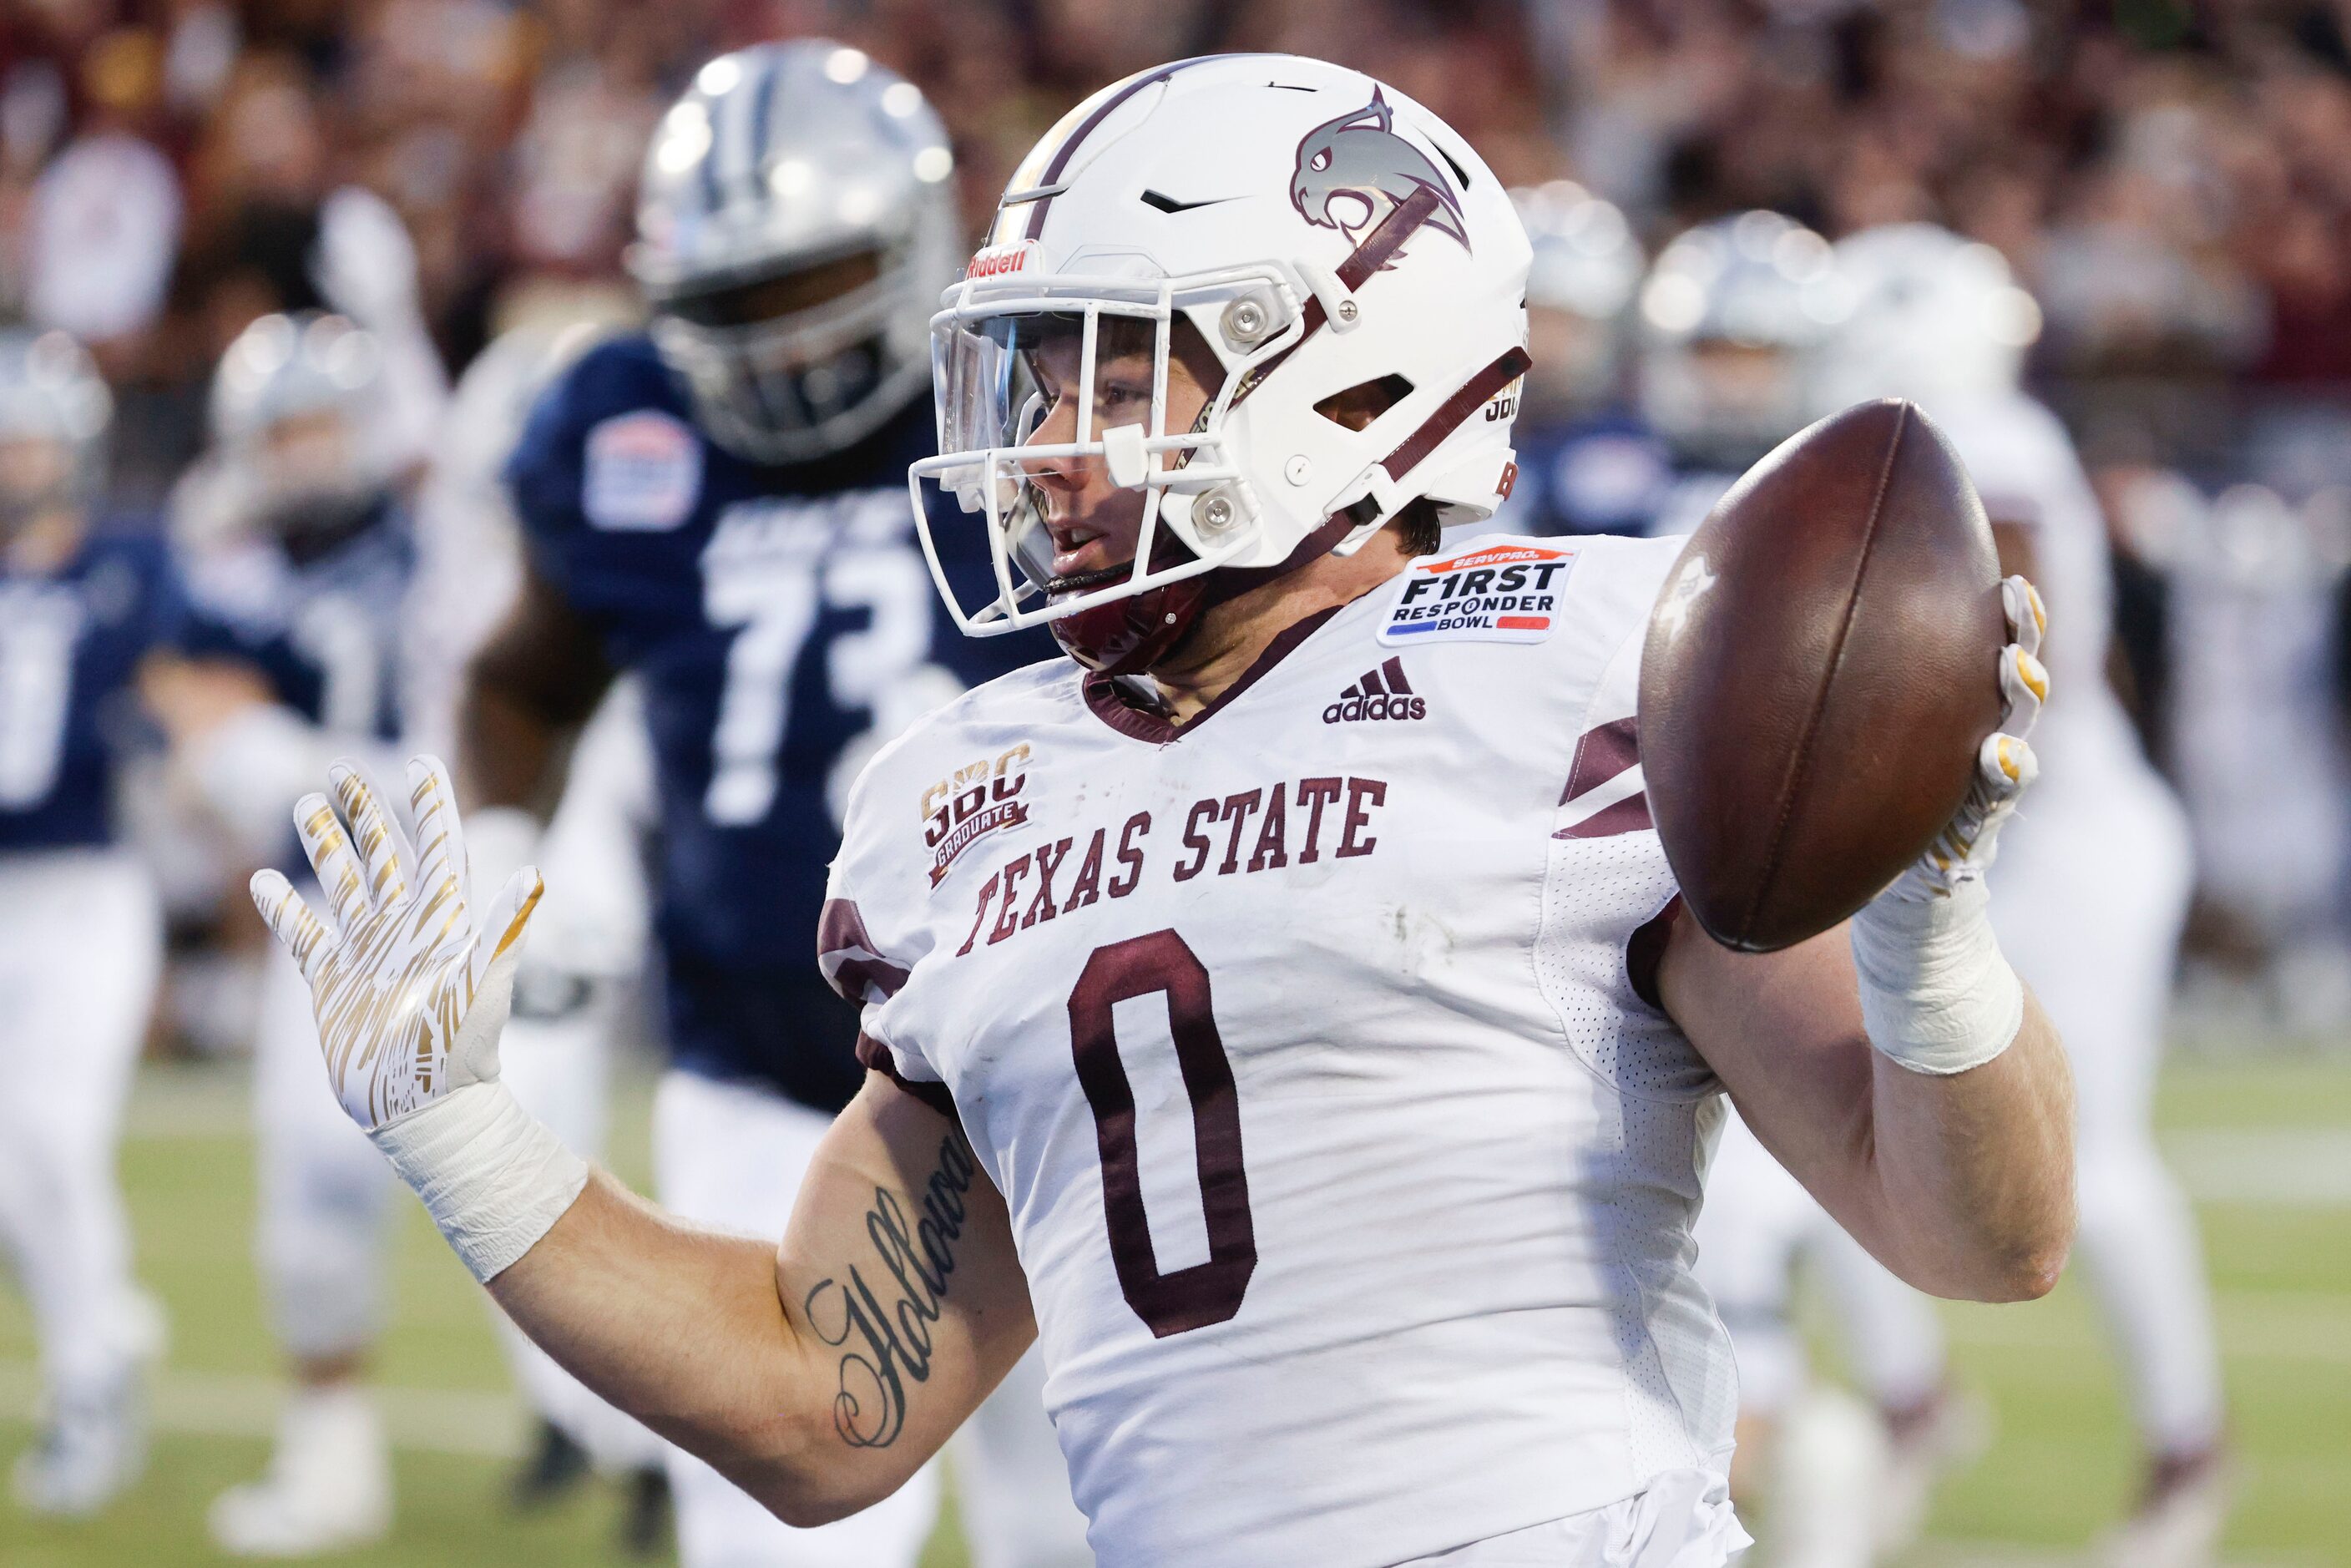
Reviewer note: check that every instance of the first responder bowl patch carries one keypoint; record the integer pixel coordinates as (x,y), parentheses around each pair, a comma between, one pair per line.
(1502,593)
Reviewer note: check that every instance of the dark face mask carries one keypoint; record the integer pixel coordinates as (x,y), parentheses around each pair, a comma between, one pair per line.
(312,526)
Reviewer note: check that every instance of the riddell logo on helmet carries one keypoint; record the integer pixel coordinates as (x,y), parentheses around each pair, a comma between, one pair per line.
(997,260)
(1381,694)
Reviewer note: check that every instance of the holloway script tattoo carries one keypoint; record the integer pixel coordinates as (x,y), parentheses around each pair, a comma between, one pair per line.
(886,1343)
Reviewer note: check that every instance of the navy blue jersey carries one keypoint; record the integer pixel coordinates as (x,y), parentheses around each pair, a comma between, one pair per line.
(781,622)
(1603,474)
(323,631)
(70,643)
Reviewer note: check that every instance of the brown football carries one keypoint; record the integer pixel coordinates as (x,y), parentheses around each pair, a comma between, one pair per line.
(1822,666)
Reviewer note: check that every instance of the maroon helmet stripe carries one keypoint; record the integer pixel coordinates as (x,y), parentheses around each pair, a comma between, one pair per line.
(1378,247)
(1455,409)
(1062,154)
(1387,239)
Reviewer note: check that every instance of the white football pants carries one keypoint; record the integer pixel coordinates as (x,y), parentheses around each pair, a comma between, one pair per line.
(733,1155)
(81,944)
(2088,897)
(1681,1519)
(326,1194)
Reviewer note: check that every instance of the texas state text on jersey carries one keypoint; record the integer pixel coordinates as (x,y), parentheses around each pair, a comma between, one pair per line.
(783,624)
(1309,1047)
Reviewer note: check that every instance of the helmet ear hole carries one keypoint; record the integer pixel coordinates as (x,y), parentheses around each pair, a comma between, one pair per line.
(1355,407)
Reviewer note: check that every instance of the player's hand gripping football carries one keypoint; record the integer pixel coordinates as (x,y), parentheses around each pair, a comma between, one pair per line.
(2005,765)
(410,990)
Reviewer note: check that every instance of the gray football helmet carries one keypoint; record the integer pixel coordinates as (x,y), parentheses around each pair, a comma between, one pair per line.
(301,448)
(1733,316)
(796,224)
(54,414)
(1587,270)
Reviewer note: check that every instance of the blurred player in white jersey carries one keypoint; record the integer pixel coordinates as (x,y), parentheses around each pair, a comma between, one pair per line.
(1279,1011)
(2093,882)
(1734,317)
(299,553)
(81,608)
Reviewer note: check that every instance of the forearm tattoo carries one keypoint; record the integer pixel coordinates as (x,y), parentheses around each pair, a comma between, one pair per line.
(885,1336)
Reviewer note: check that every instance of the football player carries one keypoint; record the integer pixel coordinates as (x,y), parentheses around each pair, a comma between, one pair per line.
(298,560)
(1329,1095)
(1588,461)
(719,506)
(2093,889)
(82,932)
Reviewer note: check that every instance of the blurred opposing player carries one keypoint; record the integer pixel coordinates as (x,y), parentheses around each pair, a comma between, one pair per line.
(1733,314)
(299,569)
(1588,462)
(1734,317)
(80,928)
(1328,1094)
(721,509)
(2094,884)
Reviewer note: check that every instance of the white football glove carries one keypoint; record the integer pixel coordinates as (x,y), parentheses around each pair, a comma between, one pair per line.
(1935,994)
(410,996)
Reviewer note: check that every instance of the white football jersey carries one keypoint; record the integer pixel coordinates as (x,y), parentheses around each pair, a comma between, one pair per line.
(2024,467)
(1352,1175)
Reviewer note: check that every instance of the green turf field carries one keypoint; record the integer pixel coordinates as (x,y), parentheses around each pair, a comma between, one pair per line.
(2266,1148)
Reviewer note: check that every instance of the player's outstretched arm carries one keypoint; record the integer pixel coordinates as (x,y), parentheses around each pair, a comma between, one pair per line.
(818,1378)
(1895,1065)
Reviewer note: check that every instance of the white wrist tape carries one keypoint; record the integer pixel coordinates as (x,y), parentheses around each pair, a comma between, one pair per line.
(1935,994)
(493,1179)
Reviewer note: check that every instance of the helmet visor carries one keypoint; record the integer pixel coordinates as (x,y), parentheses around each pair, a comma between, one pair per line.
(1066,385)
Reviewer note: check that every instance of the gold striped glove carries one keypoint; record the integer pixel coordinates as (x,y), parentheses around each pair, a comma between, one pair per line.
(410,995)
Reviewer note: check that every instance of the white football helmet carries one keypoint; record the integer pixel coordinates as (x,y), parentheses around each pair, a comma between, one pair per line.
(300,442)
(1587,270)
(1732,316)
(1934,316)
(54,412)
(1320,233)
(795,223)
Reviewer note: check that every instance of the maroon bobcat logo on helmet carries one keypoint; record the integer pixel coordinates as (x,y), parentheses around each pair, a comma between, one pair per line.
(1355,169)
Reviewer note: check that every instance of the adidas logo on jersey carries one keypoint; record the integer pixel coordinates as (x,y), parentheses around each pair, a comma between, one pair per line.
(1382,693)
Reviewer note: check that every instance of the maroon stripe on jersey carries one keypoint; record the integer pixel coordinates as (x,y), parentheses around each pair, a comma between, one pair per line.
(1629,815)
(1601,754)
(1645,951)
(876,1057)
(1454,411)
(845,953)
(1062,154)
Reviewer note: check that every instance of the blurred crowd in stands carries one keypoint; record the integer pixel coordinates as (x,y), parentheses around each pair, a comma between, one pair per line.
(2171,178)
